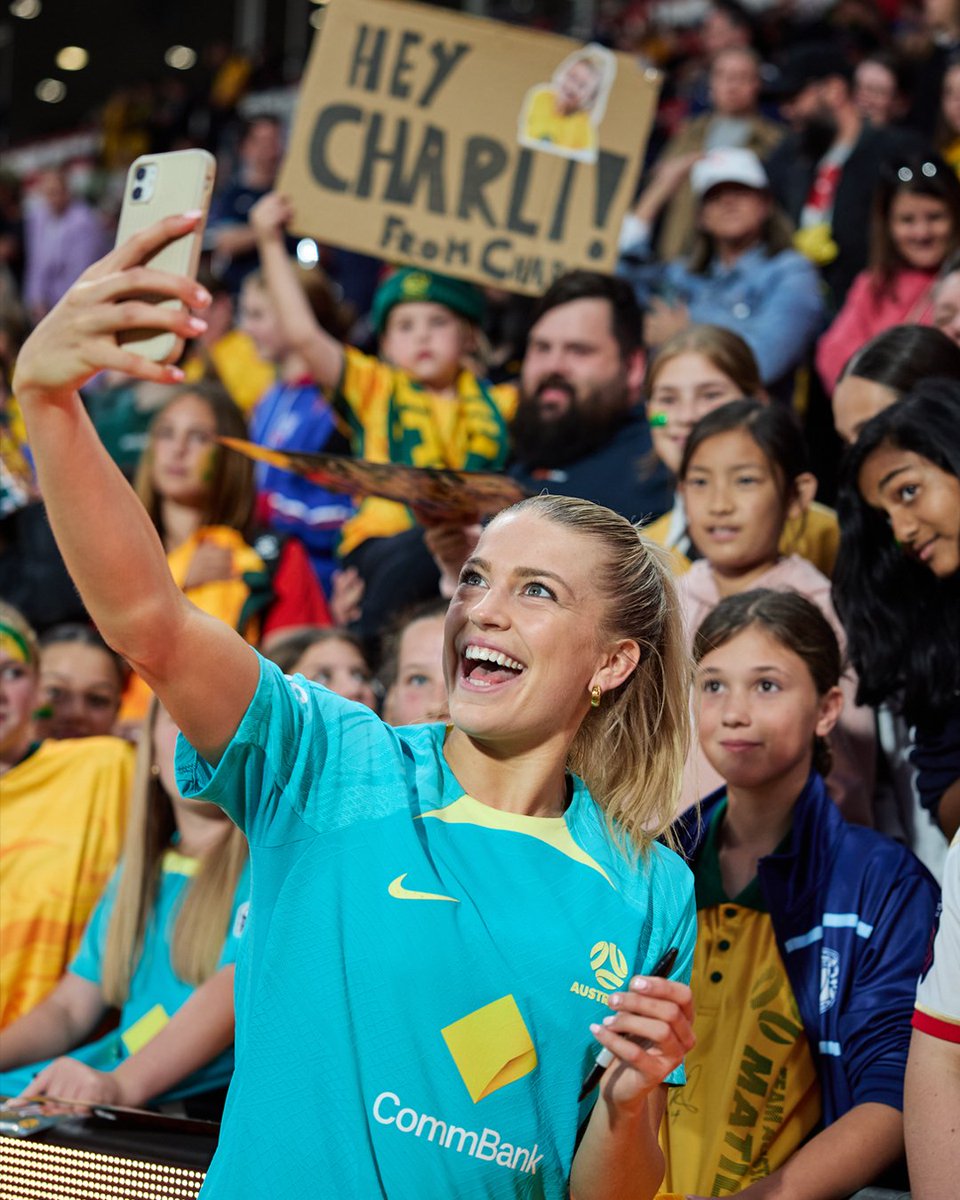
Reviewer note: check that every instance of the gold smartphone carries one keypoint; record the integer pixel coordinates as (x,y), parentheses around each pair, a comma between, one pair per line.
(158,186)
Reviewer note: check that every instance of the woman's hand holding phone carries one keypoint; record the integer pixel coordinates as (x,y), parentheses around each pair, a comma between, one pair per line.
(79,336)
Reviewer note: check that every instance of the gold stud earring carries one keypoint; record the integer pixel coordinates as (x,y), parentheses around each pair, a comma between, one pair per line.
(595,694)
(154,770)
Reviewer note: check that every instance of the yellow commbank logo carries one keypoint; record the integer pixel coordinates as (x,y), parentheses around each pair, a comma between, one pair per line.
(609,965)
(491,1047)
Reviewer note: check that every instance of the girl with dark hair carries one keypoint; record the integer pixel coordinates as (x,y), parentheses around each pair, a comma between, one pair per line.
(916,227)
(898,578)
(743,475)
(694,372)
(885,369)
(449,918)
(822,924)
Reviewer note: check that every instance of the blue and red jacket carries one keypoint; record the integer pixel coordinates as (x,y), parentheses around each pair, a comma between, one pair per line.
(852,912)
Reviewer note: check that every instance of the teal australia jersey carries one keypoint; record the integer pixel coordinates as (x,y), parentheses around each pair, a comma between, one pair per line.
(419,970)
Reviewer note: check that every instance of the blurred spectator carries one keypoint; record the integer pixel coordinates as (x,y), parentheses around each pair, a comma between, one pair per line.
(916,226)
(888,367)
(81,682)
(948,129)
(411,669)
(742,275)
(229,235)
(880,89)
(824,173)
(225,354)
(941,19)
(125,120)
(11,227)
(726,26)
(293,415)
(200,497)
(64,236)
(64,810)
(336,659)
(420,403)
(732,121)
(946,301)
(169,922)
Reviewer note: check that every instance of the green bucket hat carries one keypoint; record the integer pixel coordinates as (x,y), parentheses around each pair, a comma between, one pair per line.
(410,284)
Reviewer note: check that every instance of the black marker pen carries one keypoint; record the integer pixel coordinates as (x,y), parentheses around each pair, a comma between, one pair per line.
(606,1057)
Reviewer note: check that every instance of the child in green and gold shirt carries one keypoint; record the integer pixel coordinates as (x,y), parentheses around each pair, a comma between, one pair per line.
(421,404)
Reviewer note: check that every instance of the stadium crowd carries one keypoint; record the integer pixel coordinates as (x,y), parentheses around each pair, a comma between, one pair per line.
(769,383)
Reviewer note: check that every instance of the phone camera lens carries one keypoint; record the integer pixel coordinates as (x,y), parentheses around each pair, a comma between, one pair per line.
(141,172)
(137,193)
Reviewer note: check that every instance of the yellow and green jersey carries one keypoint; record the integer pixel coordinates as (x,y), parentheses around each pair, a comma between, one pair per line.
(420,970)
(62,816)
(752,1095)
(392,418)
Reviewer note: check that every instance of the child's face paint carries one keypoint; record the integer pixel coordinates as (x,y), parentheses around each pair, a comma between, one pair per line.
(426,340)
(686,388)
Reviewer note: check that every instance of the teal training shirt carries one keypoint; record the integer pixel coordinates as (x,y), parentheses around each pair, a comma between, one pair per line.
(419,970)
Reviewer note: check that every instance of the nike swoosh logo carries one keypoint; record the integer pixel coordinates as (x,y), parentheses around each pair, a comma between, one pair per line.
(399,892)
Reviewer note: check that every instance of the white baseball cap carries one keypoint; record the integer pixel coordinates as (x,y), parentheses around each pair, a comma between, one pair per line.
(728,166)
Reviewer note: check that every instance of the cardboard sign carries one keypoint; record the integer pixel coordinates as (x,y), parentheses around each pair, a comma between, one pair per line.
(439,494)
(466,146)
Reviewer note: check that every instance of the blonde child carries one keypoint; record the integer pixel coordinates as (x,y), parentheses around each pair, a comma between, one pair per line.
(159,948)
(743,475)
(420,404)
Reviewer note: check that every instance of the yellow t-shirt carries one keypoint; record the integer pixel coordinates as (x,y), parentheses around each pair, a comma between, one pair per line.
(815,536)
(570,131)
(752,1096)
(392,418)
(62,816)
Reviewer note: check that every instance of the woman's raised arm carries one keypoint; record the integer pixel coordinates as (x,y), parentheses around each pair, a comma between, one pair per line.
(204,672)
